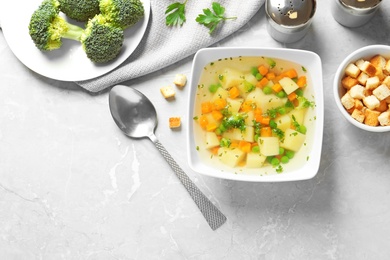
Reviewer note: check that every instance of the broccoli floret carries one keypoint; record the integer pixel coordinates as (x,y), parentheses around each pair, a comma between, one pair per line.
(122,13)
(47,28)
(101,41)
(80,10)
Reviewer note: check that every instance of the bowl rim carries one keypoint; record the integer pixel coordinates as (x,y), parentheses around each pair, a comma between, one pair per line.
(363,52)
(308,170)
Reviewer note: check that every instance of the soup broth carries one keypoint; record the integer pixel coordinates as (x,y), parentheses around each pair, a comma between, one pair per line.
(254,115)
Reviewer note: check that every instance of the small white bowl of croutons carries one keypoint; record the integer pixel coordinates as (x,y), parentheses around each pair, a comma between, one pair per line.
(362,88)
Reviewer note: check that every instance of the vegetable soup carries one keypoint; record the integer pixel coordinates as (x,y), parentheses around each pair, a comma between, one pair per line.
(253,113)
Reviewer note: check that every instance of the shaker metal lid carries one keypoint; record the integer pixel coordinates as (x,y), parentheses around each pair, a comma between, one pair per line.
(360,3)
(290,12)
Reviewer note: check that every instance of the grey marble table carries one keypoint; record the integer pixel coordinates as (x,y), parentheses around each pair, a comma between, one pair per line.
(72,186)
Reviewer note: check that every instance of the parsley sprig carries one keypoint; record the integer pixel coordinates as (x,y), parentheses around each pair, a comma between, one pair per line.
(176,14)
(211,19)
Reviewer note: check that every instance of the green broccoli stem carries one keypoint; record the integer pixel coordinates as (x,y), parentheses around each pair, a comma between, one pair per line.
(74,32)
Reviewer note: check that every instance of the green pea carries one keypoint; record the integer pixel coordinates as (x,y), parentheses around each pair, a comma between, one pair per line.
(256,149)
(267,90)
(281,150)
(254,71)
(284,159)
(214,87)
(281,94)
(290,154)
(275,161)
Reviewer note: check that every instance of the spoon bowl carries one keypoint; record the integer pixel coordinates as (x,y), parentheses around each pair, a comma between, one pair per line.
(132,112)
(136,116)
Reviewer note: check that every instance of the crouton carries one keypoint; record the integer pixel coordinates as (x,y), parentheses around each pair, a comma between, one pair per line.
(348,101)
(168,92)
(357,91)
(368,68)
(352,70)
(174,122)
(372,82)
(378,61)
(384,118)
(383,106)
(386,81)
(358,115)
(348,82)
(180,80)
(359,63)
(362,78)
(358,104)
(371,102)
(381,92)
(371,117)
(387,67)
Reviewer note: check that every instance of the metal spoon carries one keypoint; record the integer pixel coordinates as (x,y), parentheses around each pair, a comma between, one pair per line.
(136,116)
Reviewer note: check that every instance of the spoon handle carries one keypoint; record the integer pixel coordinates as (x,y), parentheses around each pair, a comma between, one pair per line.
(213,216)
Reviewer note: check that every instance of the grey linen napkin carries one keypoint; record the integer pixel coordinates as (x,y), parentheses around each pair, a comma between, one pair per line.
(162,46)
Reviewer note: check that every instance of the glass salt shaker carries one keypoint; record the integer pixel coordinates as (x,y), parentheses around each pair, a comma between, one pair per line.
(289,20)
(354,13)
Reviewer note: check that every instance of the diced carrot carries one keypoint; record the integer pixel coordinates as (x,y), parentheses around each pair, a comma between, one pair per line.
(292,96)
(292,73)
(264,120)
(295,102)
(219,103)
(301,82)
(270,75)
(214,150)
(245,146)
(234,144)
(217,115)
(263,70)
(264,81)
(203,122)
(258,114)
(266,131)
(241,163)
(211,127)
(247,106)
(206,107)
(277,87)
(234,92)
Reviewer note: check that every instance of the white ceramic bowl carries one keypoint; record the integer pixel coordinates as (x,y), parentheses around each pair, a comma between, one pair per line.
(339,91)
(309,154)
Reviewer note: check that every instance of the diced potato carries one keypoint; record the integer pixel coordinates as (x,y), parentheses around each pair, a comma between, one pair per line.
(237,134)
(230,157)
(234,104)
(269,146)
(288,85)
(220,93)
(255,160)
(283,122)
(231,78)
(250,78)
(245,88)
(269,102)
(249,119)
(299,115)
(211,140)
(293,140)
(255,95)
(264,101)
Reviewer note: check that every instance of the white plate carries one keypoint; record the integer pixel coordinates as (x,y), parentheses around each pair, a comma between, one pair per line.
(69,63)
